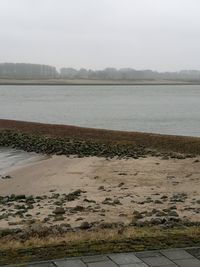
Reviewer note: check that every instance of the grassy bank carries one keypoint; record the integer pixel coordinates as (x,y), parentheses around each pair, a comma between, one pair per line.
(96,242)
(30,131)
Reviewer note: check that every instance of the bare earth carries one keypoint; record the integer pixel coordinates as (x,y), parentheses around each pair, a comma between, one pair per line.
(112,190)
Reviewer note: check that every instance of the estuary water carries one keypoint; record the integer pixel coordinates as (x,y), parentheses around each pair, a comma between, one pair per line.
(13,158)
(154,108)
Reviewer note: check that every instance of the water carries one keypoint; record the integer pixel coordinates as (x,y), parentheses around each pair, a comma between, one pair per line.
(13,158)
(158,109)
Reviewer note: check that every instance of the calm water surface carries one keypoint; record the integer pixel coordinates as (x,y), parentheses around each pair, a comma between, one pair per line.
(159,109)
(13,158)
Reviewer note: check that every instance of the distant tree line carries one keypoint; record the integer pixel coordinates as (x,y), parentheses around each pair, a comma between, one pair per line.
(37,71)
(128,74)
(23,70)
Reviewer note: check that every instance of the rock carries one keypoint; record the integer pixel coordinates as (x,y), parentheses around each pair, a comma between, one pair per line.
(160,214)
(121,184)
(180,197)
(107,200)
(137,215)
(165,158)
(13,223)
(6,177)
(59,210)
(171,177)
(77,208)
(157,221)
(74,195)
(157,201)
(101,188)
(164,197)
(173,213)
(46,219)
(181,157)
(85,226)
(59,217)
(19,197)
(89,201)
(117,202)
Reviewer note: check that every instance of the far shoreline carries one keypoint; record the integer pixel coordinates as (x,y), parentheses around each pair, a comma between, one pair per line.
(87,82)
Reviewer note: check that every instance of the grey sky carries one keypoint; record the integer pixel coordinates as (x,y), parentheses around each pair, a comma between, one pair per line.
(142,34)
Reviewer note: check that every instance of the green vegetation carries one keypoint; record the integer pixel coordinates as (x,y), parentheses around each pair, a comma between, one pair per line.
(51,138)
(99,241)
(82,148)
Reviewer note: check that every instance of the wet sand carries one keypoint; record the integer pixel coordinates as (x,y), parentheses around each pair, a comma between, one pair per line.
(11,159)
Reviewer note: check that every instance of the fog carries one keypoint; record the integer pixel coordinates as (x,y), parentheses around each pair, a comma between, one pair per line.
(142,34)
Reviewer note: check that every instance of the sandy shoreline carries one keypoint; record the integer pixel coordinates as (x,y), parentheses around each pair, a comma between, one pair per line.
(116,178)
(111,191)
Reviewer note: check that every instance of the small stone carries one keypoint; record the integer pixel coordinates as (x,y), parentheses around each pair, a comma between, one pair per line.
(117,202)
(59,210)
(6,177)
(173,213)
(85,225)
(165,158)
(158,201)
(101,187)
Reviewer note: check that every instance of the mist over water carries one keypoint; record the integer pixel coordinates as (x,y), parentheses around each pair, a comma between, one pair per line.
(159,109)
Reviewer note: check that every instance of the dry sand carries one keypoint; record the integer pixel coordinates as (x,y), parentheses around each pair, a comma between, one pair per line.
(130,185)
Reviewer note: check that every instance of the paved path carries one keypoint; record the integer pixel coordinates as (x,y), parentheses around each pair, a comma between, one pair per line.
(164,258)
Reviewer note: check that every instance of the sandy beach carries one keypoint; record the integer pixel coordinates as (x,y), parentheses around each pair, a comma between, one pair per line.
(101,191)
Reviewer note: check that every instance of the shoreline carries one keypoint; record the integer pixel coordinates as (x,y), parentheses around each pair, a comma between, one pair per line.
(124,189)
(91,141)
(17,159)
(82,82)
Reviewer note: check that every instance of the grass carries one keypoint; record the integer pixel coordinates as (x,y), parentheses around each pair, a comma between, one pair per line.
(100,241)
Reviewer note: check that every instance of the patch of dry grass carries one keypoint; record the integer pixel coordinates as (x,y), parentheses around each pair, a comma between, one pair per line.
(14,250)
(100,235)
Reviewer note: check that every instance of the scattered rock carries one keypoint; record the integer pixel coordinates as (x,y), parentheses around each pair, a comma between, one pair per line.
(85,226)
(5,177)
(101,187)
(59,210)
(74,195)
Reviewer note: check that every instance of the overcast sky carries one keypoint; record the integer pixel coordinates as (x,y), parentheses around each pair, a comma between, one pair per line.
(141,34)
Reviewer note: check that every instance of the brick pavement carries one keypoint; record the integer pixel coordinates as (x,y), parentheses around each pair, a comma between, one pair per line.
(189,257)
